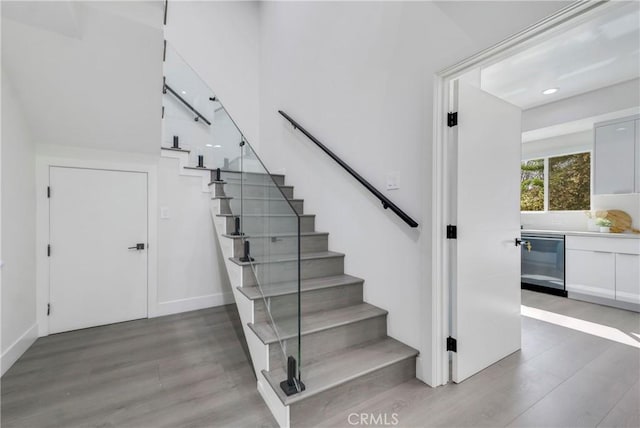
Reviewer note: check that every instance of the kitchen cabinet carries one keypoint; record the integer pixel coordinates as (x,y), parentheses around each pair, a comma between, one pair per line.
(604,268)
(591,272)
(614,158)
(637,155)
(628,278)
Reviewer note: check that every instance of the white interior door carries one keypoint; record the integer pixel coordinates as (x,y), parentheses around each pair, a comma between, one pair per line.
(95,278)
(486,280)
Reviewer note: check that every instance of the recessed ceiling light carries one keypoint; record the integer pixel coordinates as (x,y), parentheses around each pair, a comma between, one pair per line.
(209,145)
(621,129)
(549,91)
(184,92)
(217,146)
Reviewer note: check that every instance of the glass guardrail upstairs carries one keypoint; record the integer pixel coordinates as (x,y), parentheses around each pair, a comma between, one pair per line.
(195,120)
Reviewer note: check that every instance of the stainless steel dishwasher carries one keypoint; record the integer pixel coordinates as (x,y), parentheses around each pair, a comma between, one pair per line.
(542,267)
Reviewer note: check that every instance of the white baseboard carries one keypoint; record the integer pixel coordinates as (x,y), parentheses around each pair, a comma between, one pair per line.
(194,303)
(17,348)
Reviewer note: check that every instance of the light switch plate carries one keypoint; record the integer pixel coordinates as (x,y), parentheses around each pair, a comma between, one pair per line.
(393,180)
(164,213)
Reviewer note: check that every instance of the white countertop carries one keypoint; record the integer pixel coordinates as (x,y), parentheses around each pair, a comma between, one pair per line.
(627,235)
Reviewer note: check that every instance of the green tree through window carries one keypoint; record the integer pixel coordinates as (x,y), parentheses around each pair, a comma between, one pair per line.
(570,182)
(532,185)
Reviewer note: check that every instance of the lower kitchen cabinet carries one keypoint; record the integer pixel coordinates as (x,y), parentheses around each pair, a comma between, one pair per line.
(628,278)
(603,268)
(591,272)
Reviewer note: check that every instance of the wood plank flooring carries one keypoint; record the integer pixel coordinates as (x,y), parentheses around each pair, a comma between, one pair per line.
(185,370)
(192,370)
(560,378)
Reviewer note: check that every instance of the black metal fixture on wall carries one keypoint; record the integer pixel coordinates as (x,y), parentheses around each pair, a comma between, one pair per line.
(386,203)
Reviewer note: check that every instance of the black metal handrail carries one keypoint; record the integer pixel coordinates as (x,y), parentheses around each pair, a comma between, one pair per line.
(386,203)
(189,106)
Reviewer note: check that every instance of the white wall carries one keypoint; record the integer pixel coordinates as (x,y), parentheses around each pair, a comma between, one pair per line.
(100,89)
(559,145)
(18,321)
(220,40)
(191,272)
(621,96)
(360,77)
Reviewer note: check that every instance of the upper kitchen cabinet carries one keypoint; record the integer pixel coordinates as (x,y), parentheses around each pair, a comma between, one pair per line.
(616,157)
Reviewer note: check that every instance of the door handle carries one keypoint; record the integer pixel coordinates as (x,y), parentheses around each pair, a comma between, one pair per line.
(137,247)
(527,244)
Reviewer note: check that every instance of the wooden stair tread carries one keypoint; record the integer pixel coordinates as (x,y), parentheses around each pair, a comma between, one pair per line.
(258,198)
(275,235)
(173,149)
(342,367)
(267,215)
(226,171)
(236,183)
(315,322)
(291,287)
(281,258)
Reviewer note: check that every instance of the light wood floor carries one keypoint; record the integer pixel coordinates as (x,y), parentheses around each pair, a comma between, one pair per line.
(192,370)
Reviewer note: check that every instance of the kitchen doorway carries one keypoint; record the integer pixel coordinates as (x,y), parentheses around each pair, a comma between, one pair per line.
(474,303)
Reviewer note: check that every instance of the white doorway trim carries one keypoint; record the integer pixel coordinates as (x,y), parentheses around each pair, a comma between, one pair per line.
(90,160)
(442,187)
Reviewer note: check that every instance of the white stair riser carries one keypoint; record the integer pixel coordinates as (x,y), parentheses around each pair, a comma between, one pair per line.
(264,225)
(288,271)
(282,245)
(310,301)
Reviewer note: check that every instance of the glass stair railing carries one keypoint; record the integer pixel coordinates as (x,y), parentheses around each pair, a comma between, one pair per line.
(261,210)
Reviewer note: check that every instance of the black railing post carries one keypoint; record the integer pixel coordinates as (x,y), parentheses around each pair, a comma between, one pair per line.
(237,231)
(292,385)
(176,144)
(247,256)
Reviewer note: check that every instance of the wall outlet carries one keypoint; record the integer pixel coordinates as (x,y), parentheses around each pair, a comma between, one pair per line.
(393,180)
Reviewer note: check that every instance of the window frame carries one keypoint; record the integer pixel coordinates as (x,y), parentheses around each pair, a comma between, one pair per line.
(545,159)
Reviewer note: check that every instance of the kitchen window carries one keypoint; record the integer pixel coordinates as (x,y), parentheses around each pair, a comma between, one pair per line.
(556,183)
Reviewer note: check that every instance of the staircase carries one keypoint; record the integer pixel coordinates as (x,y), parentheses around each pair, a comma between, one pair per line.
(346,354)
(304,319)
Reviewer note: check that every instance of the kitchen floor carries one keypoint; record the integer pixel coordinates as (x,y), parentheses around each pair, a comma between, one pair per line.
(578,368)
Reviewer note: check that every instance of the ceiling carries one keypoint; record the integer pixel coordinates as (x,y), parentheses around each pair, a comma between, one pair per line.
(594,54)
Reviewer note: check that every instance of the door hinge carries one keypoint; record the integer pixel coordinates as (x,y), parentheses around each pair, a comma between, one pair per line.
(452,119)
(48,191)
(48,250)
(48,309)
(452,231)
(452,344)
(166,6)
